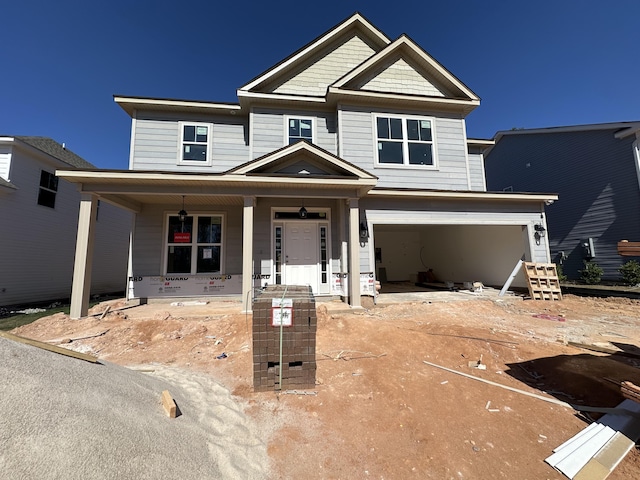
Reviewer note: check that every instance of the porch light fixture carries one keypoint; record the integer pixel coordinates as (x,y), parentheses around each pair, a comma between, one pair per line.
(539,228)
(182,214)
(364,231)
(302,213)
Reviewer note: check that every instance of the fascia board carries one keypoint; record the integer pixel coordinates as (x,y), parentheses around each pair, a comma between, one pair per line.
(296,148)
(314,45)
(536,197)
(406,42)
(277,96)
(129,104)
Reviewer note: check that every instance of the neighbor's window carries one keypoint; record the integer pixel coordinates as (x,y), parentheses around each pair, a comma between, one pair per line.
(195,245)
(405,141)
(48,189)
(300,129)
(195,142)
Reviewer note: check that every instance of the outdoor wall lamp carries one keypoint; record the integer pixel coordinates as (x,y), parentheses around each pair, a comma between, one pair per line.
(364,231)
(539,228)
(182,214)
(302,213)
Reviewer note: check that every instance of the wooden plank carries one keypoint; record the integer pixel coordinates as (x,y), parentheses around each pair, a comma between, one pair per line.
(51,348)
(542,281)
(607,459)
(629,249)
(169,404)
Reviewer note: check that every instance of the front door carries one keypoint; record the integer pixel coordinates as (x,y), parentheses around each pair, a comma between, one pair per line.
(301,254)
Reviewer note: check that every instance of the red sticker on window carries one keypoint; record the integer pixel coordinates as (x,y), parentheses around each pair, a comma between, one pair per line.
(179,237)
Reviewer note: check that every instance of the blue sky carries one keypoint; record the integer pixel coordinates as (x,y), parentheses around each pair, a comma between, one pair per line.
(534,64)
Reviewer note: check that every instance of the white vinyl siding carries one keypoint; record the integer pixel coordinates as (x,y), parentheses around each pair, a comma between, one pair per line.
(5,164)
(151,234)
(358,142)
(476,172)
(39,267)
(329,67)
(157,145)
(401,78)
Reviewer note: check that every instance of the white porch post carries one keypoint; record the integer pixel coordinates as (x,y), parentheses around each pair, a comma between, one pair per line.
(354,253)
(247,253)
(83,263)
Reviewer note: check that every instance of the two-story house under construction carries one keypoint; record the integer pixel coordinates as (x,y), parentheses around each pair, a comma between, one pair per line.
(346,158)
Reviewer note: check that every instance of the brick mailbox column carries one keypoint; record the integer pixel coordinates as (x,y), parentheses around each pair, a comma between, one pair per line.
(294,308)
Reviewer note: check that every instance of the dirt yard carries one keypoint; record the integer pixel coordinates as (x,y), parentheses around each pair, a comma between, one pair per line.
(378,410)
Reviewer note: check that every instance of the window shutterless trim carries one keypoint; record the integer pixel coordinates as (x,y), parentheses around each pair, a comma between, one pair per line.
(288,118)
(182,141)
(405,141)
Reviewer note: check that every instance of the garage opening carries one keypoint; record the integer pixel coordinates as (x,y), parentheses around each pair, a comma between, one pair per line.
(449,253)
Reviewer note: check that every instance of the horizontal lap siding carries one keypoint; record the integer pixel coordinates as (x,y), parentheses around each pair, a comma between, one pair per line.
(111,249)
(149,239)
(269,132)
(595,177)
(476,172)
(156,143)
(332,64)
(358,146)
(5,162)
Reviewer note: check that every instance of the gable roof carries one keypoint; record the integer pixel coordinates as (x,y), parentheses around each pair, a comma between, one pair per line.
(6,184)
(54,149)
(405,48)
(354,23)
(325,163)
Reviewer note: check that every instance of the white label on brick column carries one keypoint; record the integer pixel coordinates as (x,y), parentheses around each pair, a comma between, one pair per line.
(281,312)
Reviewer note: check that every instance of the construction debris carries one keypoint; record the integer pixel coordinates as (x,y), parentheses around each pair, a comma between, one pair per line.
(51,348)
(169,404)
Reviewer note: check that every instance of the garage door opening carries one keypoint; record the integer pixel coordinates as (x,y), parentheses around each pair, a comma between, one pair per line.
(449,253)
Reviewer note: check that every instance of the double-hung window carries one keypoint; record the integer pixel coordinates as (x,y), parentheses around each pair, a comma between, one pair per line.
(195,245)
(405,141)
(48,189)
(195,141)
(300,129)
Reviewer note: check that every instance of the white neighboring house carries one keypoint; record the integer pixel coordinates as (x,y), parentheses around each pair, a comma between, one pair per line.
(39,220)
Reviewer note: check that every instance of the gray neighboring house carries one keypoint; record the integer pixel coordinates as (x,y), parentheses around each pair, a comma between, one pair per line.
(346,162)
(596,171)
(39,218)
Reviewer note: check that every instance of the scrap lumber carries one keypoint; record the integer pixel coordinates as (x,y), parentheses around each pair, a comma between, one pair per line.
(594,452)
(51,348)
(169,404)
(609,351)
(630,391)
(542,280)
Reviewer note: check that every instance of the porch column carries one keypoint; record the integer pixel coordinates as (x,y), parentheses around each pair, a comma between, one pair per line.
(354,253)
(247,253)
(83,263)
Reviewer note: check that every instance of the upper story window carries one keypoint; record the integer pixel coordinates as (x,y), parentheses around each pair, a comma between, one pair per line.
(405,141)
(195,142)
(48,189)
(300,129)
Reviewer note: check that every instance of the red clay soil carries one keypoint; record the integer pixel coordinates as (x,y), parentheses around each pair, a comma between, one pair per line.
(378,410)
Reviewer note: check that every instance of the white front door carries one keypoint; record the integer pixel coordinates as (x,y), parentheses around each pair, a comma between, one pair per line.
(301,254)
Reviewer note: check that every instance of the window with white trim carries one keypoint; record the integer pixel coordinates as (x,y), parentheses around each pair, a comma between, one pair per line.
(300,129)
(48,189)
(195,143)
(195,245)
(405,141)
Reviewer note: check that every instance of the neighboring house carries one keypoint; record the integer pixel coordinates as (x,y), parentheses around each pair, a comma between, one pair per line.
(596,171)
(347,161)
(39,218)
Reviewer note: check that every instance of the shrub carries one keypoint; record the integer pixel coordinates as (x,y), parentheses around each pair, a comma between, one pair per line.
(561,276)
(630,272)
(591,274)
